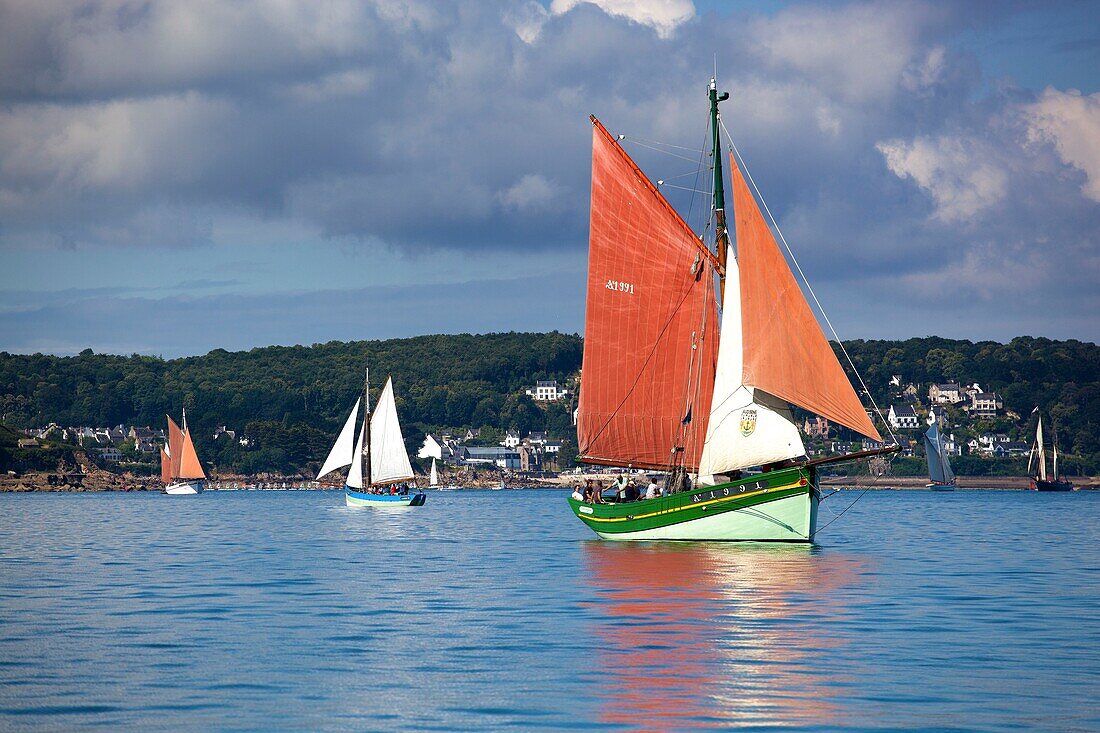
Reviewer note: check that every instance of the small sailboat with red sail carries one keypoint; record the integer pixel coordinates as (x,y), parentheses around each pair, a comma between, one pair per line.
(694,351)
(180,470)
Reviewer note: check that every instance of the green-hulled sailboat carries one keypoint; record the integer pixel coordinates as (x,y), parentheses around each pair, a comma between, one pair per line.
(669,385)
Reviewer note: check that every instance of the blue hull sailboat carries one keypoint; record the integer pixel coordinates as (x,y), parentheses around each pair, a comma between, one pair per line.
(381,447)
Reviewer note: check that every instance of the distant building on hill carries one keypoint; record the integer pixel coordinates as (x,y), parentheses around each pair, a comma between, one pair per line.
(816,427)
(903,416)
(546,391)
(944,394)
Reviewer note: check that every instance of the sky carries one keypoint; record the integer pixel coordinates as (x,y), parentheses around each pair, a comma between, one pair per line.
(179,177)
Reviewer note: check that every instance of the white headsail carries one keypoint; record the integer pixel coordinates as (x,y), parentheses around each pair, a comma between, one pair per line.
(389,459)
(434,479)
(355,475)
(747,426)
(342,451)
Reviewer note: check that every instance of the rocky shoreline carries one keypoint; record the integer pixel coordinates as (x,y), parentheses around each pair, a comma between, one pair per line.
(98,481)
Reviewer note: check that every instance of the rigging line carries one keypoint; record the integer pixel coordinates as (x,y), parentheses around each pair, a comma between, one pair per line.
(809,287)
(841,514)
(658,142)
(663,152)
(682,188)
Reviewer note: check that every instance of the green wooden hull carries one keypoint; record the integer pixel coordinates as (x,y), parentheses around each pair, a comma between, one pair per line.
(779,506)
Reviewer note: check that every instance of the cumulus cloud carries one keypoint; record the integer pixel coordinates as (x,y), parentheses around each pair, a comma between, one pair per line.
(1071,122)
(532,191)
(957,172)
(662,15)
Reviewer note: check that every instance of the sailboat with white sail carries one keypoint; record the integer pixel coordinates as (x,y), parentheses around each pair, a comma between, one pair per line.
(940,475)
(433,477)
(671,385)
(377,458)
(1041,481)
(180,470)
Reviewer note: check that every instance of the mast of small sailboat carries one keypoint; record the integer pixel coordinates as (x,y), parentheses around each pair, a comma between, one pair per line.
(366,427)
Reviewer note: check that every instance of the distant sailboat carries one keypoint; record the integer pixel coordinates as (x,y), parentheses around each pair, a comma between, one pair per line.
(671,385)
(433,479)
(941,477)
(387,462)
(1041,481)
(180,470)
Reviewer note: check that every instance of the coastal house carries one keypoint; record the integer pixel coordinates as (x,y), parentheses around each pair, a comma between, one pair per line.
(222,432)
(903,417)
(984,404)
(816,427)
(529,458)
(546,391)
(494,455)
(27,443)
(537,438)
(511,439)
(551,447)
(111,454)
(871,444)
(147,445)
(944,394)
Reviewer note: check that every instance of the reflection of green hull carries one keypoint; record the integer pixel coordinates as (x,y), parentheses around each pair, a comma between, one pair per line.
(779,506)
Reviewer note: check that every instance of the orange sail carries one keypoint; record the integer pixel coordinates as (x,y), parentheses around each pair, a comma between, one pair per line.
(175,448)
(650,323)
(189,460)
(785,352)
(165,467)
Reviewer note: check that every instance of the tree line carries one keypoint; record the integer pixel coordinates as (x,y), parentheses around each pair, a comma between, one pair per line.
(290,401)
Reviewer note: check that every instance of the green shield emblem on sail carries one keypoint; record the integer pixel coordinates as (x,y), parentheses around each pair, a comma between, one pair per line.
(748,422)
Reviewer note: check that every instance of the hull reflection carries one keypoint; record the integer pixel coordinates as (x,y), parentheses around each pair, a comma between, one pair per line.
(707,634)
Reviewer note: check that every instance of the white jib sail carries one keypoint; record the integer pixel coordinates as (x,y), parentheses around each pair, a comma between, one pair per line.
(434,479)
(355,475)
(747,427)
(1042,452)
(389,459)
(342,451)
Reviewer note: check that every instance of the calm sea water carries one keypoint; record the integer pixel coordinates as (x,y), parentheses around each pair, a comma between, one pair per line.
(498,610)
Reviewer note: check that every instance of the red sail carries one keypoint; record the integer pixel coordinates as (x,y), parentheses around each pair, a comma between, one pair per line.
(175,448)
(785,352)
(165,467)
(651,326)
(190,468)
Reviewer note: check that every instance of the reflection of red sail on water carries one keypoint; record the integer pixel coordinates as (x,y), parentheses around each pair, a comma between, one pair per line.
(697,635)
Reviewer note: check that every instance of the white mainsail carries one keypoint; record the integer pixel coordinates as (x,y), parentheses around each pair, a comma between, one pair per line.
(747,427)
(433,480)
(342,452)
(355,475)
(389,459)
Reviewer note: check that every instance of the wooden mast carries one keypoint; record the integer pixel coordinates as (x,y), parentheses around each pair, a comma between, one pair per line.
(366,428)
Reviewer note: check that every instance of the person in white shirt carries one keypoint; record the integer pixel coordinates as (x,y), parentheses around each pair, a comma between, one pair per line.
(653,490)
(577,493)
